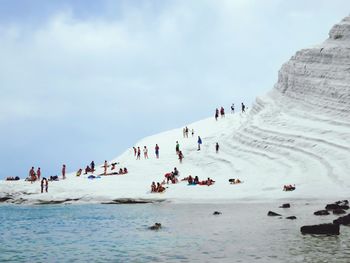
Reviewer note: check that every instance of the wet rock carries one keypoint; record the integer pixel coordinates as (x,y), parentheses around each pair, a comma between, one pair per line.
(343,202)
(217,213)
(156,226)
(270,213)
(322,229)
(345,207)
(338,211)
(5,198)
(321,213)
(285,206)
(291,217)
(122,201)
(332,207)
(343,220)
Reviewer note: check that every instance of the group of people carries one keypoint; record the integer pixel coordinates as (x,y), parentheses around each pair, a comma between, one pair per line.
(185,132)
(172,176)
(34,176)
(288,187)
(195,181)
(221,112)
(137,152)
(234,181)
(157,188)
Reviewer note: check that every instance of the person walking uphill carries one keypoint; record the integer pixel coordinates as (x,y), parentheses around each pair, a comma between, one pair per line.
(217,147)
(92,166)
(138,157)
(177,148)
(64,172)
(216,114)
(145,152)
(243,107)
(105,165)
(199,143)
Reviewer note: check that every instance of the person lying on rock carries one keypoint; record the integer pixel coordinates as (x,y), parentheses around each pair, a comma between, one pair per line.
(288,187)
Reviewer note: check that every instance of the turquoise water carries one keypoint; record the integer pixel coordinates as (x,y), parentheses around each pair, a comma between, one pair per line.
(119,233)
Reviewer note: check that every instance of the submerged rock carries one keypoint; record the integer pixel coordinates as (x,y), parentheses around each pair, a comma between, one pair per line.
(270,213)
(156,226)
(321,213)
(322,229)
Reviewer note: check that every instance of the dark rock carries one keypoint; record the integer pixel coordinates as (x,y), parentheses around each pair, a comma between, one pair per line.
(343,220)
(217,213)
(270,213)
(338,211)
(343,202)
(322,229)
(285,206)
(123,201)
(5,198)
(332,207)
(156,226)
(345,207)
(321,213)
(291,217)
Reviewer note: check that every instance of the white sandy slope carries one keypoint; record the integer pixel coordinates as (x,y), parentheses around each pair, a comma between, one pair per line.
(297,134)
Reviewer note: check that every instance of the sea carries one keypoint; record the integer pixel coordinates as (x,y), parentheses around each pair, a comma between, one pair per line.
(190,233)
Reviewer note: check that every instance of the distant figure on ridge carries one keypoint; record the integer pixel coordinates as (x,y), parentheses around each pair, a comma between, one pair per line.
(135,151)
(145,152)
(105,165)
(233,108)
(32,176)
(64,172)
(243,107)
(216,114)
(222,112)
(92,166)
(157,151)
(138,153)
(217,147)
(186,132)
(199,143)
(79,172)
(192,132)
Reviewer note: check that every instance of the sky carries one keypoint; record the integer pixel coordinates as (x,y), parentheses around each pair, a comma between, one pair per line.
(85,80)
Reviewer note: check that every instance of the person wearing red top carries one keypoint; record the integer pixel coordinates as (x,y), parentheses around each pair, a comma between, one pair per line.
(64,171)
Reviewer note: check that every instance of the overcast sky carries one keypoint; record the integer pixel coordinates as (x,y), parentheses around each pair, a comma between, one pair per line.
(84,80)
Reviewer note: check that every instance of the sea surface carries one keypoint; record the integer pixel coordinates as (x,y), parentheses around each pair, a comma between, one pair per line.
(190,233)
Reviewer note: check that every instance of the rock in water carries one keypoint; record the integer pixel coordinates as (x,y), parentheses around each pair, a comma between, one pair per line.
(338,211)
(156,226)
(343,220)
(321,213)
(332,207)
(285,206)
(217,213)
(323,229)
(270,213)
(291,217)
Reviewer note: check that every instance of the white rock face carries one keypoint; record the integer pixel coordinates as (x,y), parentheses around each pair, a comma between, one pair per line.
(305,118)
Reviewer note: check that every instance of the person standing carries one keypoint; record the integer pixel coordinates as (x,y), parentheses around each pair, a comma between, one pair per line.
(38,173)
(138,153)
(44,184)
(145,152)
(243,107)
(32,175)
(64,172)
(181,156)
(92,166)
(217,147)
(192,132)
(216,114)
(233,108)
(199,143)
(135,151)
(222,112)
(105,165)
(186,132)
(157,151)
